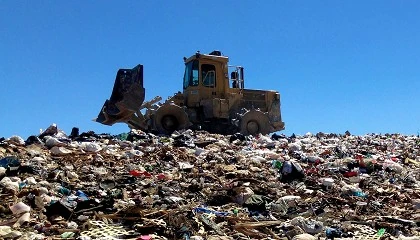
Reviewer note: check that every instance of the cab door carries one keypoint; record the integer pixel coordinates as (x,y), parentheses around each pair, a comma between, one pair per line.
(208,81)
(208,91)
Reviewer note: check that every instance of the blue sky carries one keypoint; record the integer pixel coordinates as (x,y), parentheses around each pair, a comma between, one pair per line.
(339,65)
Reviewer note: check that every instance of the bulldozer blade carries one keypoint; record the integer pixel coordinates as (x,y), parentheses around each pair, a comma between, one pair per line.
(126,98)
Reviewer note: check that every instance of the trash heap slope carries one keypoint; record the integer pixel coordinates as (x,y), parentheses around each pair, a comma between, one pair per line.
(196,185)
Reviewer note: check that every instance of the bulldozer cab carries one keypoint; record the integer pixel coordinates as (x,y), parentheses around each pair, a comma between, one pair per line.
(207,84)
(205,78)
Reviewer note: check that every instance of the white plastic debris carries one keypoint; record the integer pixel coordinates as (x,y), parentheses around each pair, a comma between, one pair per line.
(82,218)
(402,237)
(2,171)
(52,141)
(72,225)
(91,147)
(134,153)
(43,190)
(175,199)
(185,165)
(30,181)
(258,160)
(264,139)
(308,225)
(255,169)
(196,238)
(273,156)
(60,151)
(7,182)
(294,147)
(398,168)
(38,159)
(199,151)
(100,171)
(26,217)
(6,232)
(304,236)
(243,195)
(84,238)
(72,175)
(328,183)
(19,207)
(289,198)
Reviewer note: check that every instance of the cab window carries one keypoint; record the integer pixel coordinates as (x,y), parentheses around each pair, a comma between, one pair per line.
(191,74)
(208,75)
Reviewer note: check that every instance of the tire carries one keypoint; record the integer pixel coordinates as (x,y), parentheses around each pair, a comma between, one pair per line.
(169,118)
(254,122)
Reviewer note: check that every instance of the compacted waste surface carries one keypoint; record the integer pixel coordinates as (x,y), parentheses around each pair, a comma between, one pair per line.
(196,185)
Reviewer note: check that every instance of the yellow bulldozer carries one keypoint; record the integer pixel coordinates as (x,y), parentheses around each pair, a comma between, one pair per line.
(214,99)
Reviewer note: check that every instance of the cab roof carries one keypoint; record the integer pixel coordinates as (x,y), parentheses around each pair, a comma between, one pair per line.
(214,56)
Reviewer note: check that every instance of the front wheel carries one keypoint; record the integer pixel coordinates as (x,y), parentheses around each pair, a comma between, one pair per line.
(169,123)
(170,117)
(254,122)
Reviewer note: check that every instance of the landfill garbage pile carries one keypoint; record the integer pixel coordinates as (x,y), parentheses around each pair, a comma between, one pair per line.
(196,185)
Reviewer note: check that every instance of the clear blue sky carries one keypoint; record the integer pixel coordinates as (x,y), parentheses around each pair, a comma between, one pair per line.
(339,65)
